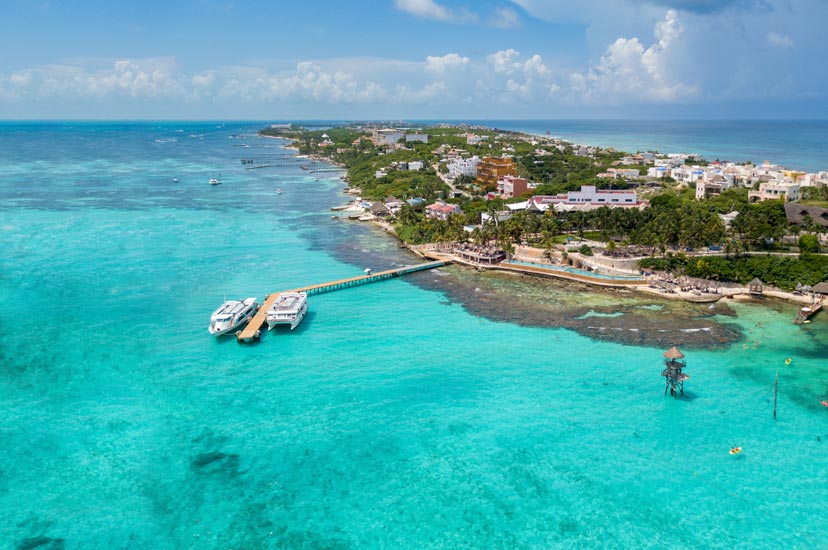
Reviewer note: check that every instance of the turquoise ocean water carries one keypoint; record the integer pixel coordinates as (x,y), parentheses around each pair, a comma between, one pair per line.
(390,418)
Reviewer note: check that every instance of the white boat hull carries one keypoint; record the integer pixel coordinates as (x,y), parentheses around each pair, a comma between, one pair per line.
(231,315)
(219,330)
(275,319)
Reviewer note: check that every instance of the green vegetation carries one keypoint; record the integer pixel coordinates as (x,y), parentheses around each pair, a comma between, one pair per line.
(674,221)
(784,272)
(808,244)
(815,196)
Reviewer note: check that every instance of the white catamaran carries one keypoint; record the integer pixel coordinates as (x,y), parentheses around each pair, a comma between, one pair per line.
(289,309)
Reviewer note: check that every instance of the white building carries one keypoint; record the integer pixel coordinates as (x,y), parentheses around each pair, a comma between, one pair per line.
(415,165)
(463,167)
(773,190)
(588,198)
(590,195)
(421,138)
(670,162)
(386,136)
(706,189)
(442,210)
(474,139)
(659,172)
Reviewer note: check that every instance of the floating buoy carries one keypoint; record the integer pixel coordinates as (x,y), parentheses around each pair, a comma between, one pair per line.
(735,450)
(788,361)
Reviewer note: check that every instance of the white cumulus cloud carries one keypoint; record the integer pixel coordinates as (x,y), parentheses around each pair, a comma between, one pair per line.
(429,9)
(628,70)
(506,18)
(504,61)
(448,63)
(779,40)
(524,78)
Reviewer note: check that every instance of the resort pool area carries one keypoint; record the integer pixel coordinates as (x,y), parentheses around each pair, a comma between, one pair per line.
(574,271)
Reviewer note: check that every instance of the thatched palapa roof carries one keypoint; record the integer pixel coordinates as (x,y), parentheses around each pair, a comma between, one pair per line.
(800,213)
(673,353)
(820,288)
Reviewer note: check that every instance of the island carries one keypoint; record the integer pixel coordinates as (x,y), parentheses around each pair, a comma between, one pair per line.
(676,224)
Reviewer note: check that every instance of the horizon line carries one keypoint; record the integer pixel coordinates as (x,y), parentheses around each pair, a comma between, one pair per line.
(430,120)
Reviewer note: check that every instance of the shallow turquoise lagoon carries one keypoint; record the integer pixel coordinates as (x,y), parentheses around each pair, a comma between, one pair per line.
(389,418)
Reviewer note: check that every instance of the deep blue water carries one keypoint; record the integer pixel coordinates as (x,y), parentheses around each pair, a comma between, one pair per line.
(390,418)
(795,144)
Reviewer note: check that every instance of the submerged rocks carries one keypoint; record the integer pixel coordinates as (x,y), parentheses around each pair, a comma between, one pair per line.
(40,543)
(215,462)
(599,313)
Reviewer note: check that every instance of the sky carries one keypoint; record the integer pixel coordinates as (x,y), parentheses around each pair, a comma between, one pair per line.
(413,59)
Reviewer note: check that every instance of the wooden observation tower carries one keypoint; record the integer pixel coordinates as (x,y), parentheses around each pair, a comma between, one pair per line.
(673,365)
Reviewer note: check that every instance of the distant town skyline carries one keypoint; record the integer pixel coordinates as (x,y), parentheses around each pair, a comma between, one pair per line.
(414,59)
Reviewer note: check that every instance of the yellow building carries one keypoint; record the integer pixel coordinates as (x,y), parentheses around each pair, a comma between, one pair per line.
(492,168)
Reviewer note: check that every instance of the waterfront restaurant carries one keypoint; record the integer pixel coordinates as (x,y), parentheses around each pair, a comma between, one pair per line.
(480,254)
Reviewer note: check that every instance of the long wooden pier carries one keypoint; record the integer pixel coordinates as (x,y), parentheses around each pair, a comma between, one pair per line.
(284,159)
(253,329)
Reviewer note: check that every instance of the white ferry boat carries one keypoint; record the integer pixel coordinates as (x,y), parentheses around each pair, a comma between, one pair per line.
(289,309)
(214,181)
(231,315)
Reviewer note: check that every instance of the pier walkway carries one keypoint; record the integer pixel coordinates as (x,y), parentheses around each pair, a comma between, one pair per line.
(806,312)
(280,159)
(253,329)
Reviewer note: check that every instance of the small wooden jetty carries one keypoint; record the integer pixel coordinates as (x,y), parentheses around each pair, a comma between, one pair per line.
(805,312)
(252,331)
(673,366)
